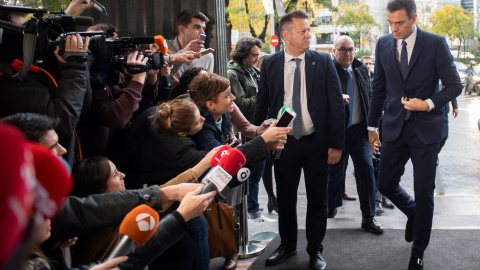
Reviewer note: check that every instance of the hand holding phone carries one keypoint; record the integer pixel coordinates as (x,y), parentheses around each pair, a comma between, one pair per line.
(202,37)
(286,119)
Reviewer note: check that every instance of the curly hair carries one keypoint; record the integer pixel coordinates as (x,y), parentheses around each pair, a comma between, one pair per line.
(243,47)
(207,87)
(176,116)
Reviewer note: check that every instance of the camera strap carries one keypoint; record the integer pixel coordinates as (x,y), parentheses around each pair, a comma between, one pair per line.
(136,69)
(29,41)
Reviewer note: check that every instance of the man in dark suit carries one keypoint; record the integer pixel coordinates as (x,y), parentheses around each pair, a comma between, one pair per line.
(307,81)
(356,88)
(408,64)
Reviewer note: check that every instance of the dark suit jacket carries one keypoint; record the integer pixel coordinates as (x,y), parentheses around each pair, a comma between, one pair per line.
(324,96)
(431,60)
(363,85)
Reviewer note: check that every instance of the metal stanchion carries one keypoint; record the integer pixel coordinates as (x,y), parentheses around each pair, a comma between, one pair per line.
(247,249)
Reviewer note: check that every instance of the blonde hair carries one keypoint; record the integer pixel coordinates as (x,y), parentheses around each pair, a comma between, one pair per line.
(176,116)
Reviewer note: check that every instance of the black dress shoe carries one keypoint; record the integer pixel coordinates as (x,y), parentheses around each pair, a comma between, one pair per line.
(332,213)
(272,204)
(387,203)
(317,261)
(280,254)
(409,230)
(415,264)
(371,225)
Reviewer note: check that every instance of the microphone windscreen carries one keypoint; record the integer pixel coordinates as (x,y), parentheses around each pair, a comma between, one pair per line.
(140,224)
(83,21)
(16,190)
(218,155)
(242,175)
(54,178)
(232,161)
(159,45)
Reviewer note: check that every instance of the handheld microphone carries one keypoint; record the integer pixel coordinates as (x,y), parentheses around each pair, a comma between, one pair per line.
(242,175)
(138,227)
(230,163)
(55,181)
(160,45)
(219,154)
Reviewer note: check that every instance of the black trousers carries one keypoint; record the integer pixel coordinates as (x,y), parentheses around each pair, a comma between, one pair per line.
(392,166)
(305,154)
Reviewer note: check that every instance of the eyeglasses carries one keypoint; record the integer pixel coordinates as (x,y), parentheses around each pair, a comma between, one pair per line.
(345,50)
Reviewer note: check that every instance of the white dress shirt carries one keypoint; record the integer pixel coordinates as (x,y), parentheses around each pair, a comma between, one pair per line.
(289,72)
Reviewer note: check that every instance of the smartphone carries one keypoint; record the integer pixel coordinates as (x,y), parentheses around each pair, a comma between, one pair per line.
(269,121)
(202,37)
(286,118)
(206,51)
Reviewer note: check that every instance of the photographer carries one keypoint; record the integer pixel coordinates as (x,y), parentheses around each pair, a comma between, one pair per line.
(38,91)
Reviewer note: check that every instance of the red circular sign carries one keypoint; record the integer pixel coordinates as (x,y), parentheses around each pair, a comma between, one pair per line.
(274,40)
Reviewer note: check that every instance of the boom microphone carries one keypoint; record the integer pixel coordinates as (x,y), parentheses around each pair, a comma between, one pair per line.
(138,227)
(230,163)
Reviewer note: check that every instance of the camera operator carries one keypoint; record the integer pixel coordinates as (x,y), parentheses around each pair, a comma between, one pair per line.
(39,92)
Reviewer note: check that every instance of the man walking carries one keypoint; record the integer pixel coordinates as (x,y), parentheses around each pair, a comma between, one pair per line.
(356,92)
(408,64)
(307,81)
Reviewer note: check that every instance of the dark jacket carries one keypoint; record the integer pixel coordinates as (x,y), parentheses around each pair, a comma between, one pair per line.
(210,136)
(81,216)
(430,61)
(40,93)
(152,155)
(246,94)
(324,98)
(170,229)
(113,108)
(363,85)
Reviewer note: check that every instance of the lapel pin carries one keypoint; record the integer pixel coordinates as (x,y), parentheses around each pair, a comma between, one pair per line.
(313,63)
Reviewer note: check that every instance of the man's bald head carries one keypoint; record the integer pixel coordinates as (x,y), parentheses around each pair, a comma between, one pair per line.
(344,51)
